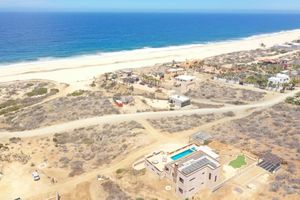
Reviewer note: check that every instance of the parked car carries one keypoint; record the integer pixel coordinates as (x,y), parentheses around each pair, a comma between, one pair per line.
(35,176)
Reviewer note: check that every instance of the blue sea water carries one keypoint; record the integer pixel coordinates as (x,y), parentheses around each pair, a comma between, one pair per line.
(32,36)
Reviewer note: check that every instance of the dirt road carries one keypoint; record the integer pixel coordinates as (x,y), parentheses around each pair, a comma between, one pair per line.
(144,115)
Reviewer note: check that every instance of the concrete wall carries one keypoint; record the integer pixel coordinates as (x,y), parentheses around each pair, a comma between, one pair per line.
(154,170)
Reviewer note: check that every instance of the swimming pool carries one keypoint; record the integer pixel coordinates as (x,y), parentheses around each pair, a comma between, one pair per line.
(183,154)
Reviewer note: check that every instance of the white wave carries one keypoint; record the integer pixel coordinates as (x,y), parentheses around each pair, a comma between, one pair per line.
(145,49)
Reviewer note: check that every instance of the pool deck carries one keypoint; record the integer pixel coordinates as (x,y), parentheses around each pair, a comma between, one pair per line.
(159,159)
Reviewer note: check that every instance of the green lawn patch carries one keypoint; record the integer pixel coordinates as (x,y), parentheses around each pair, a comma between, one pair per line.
(238,162)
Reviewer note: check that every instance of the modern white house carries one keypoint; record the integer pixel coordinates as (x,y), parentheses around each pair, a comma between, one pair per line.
(190,168)
(279,79)
(179,101)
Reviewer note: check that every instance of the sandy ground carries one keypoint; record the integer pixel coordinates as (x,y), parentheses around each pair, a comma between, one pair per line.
(79,70)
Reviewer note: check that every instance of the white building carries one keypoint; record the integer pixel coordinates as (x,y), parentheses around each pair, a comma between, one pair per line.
(279,79)
(190,168)
(185,82)
(179,100)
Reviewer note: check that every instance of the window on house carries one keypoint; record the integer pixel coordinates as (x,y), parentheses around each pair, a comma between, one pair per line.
(209,176)
(180,190)
(191,189)
(202,183)
(181,180)
(203,172)
(215,178)
(192,179)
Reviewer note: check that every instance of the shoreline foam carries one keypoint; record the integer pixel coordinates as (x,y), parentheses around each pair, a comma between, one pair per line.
(149,49)
(85,67)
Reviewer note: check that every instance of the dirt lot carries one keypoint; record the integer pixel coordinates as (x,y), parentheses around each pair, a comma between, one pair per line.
(68,154)
(277,130)
(216,92)
(68,108)
(182,123)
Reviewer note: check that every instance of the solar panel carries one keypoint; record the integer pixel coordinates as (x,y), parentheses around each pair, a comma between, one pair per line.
(267,166)
(197,165)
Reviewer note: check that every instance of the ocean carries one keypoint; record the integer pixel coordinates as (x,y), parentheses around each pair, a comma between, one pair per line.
(38,36)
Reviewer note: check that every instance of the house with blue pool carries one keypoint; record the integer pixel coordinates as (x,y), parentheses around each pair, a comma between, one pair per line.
(190,168)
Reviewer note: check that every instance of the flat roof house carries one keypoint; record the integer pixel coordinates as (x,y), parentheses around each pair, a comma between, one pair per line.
(179,100)
(190,168)
(185,82)
(184,78)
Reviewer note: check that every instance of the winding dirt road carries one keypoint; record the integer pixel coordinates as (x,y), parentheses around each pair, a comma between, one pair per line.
(139,116)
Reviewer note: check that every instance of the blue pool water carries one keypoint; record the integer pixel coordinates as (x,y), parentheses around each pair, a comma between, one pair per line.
(35,36)
(183,154)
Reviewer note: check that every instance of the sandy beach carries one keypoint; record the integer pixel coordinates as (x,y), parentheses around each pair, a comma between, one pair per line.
(81,69)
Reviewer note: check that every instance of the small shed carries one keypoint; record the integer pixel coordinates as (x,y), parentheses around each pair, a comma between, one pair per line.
(269,162)
(200,138)
(179,101)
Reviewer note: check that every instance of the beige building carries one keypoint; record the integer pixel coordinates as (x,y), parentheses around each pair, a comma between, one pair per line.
(190,168)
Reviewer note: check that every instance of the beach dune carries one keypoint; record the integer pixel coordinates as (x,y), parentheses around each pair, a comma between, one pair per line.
(81,69)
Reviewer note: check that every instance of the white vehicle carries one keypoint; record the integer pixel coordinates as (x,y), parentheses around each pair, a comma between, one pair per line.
(35,176)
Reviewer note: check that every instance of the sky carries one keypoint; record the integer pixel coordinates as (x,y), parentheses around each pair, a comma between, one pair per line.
(151,5)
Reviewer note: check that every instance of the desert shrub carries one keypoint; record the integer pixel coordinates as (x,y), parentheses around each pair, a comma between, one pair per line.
(93,84)
(229,114)
(3,147)
(281,177)
(119,171)
(288,189)
(275,186)
(87,141)
(15,140)
(8,104)
(37,91)
(64,161)
(291,168)
(77,93)
(54,91)
(10,109)
(77,168)
(294,100)
(114,191)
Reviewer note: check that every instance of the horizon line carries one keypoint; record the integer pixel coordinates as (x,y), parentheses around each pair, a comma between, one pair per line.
(240,11)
